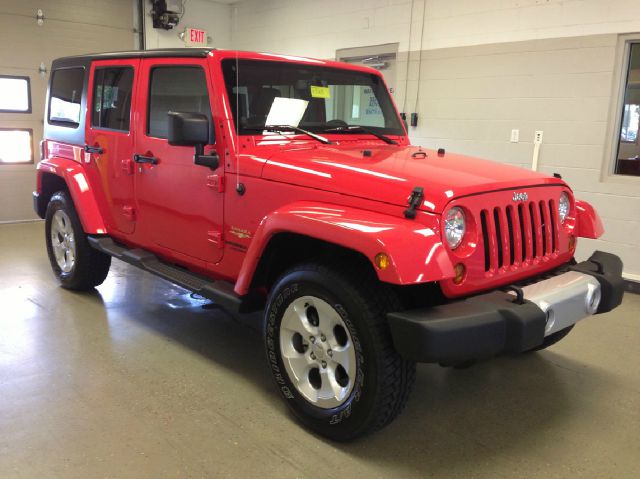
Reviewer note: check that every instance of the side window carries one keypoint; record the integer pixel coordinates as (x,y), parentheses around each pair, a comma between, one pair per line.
(111,107)
(175,89)
(65,96)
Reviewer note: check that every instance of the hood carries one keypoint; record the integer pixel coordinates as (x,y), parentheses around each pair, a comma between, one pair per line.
(389,173)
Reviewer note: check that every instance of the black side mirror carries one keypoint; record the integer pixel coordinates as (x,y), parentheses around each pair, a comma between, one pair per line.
(192,129)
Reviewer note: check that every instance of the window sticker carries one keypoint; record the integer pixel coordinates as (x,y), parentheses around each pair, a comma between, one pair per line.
(320,92)
(286,111)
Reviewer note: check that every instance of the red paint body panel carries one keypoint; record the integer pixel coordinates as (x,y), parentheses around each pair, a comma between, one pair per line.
(80,188)
(416,251)
(112,169)
(295,184)
(391,172)
(589,223)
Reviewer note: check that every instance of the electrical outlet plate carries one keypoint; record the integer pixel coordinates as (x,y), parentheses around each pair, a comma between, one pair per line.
(538,137)
(515,136)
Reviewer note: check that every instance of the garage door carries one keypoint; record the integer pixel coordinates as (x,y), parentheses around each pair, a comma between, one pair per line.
(69,27)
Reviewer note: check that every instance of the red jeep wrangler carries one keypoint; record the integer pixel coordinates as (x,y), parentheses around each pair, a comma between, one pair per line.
(289,184)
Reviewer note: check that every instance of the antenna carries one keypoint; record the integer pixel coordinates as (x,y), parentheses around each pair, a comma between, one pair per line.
(240,189)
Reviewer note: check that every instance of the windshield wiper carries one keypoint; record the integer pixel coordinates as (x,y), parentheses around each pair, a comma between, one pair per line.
(364,129)
(281,128)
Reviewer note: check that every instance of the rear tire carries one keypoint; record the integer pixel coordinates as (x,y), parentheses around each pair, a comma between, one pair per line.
(314,308)
(75,263)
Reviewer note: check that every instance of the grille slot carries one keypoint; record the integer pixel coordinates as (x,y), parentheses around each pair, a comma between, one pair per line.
(514,234)
(512,245)
(534,237)
(496,220)
(543,225)
(485,240)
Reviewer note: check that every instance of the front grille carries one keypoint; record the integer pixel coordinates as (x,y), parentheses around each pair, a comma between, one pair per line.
(519,234)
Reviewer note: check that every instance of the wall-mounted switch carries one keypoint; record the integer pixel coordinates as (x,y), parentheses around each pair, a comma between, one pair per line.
(538,137)
(515,136)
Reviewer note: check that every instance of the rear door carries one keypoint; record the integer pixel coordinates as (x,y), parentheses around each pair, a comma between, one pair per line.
(110,139)
(179,204)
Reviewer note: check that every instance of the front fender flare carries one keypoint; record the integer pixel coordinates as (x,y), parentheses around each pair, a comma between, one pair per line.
(414,246)
(589,224)
(80,189)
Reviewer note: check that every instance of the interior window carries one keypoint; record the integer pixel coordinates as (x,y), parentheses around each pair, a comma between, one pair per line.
(65,96)
(112,98)
(15,96)
(628,158)
(175,89)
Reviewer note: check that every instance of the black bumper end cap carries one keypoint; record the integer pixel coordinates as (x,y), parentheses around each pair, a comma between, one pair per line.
(479,327)
(607,269)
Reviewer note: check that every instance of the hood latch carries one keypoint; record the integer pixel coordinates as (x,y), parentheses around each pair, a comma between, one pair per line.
(414,201)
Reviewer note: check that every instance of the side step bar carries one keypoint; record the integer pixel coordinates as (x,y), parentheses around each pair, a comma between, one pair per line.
(221,292)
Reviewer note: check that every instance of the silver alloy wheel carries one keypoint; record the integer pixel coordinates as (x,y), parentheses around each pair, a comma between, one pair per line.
(318,352)
(63,241)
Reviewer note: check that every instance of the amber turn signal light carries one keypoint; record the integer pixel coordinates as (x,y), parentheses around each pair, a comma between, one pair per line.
(572,243)
(382,261)
(460,272)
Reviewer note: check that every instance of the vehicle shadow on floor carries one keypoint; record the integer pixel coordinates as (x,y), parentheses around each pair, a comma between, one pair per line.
(459,422)
(195,323)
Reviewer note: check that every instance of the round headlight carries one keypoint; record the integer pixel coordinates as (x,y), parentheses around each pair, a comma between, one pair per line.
(563,206)
(454,227)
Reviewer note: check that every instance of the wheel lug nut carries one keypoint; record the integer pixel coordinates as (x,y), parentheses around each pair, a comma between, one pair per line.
(323,338)
(324,364)
(312,339)
(313,355)
(330,352)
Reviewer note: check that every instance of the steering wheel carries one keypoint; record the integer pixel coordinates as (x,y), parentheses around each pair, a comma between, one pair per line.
(336,123)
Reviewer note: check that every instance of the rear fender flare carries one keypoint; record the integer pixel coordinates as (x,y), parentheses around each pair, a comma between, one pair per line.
(80,190)
(414,246)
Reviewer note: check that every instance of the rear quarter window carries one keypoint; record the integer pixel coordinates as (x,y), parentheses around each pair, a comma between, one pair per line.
(65,97)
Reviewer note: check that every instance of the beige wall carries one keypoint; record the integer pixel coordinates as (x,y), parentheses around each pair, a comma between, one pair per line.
(70,27)
(472,97)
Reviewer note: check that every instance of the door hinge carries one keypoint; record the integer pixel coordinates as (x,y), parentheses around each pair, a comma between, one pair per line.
(129,212)
(216,182)
(215,237)
(127,166)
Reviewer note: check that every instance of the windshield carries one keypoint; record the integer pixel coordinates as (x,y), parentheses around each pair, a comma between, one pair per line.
(310,97)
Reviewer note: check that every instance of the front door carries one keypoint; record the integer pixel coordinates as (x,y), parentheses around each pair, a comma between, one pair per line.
(110,141)
(179,205)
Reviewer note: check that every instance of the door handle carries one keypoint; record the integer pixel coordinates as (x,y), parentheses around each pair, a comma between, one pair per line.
(152,160)
(93,149)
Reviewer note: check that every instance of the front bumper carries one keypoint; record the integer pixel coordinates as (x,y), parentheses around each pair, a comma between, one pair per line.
(510,321)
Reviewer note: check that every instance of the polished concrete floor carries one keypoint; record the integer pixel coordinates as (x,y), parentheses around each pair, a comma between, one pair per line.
(138,380)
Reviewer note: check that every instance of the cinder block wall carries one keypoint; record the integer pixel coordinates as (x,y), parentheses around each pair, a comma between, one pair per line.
(487,67)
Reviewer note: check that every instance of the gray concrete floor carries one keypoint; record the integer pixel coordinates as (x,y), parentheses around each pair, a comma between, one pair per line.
(138,380)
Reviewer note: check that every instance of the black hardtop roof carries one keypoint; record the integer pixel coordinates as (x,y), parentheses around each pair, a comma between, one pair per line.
(154,53)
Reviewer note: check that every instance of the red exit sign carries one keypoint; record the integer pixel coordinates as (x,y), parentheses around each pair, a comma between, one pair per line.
(194,37)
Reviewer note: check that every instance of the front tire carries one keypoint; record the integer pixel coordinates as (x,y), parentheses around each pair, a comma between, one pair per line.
(75,263)
(331,353)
